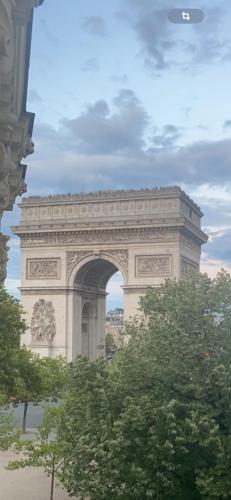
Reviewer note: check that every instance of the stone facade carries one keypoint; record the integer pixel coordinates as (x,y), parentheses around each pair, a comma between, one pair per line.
(16,123)
(72,245)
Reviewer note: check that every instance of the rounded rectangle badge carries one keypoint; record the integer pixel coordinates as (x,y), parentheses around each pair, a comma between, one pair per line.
(186,16)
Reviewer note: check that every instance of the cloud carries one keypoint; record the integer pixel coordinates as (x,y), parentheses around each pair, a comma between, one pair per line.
(154,32)
(51,38)
(99,131)
(95,25)
(212,266)
(33,96)
(167,138)
(91,64)
(214,195)
(219,246)
(121,79)
(227,124)
(109,145)
(164,44)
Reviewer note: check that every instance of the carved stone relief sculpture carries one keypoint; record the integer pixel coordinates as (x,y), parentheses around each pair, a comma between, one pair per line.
(43,324)
(155,265)
(73,258)
(43,268)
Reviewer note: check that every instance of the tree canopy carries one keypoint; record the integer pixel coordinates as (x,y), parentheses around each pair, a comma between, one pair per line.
(37,379)
(12,326)
(156,421)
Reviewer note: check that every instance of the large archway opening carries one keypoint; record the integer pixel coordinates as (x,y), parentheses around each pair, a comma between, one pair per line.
(92,283)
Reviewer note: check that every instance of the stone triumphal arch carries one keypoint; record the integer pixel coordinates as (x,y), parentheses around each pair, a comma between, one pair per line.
(71,246)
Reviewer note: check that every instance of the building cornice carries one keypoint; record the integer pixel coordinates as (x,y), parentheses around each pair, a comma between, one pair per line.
(65,237)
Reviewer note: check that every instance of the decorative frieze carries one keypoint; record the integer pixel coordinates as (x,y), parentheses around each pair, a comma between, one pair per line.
(43,323)
(153,265)
(188,266)
(100,236)
(43,268)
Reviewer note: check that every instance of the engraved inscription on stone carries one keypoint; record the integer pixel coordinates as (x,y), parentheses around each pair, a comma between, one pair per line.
(153,265)
(43,268)
(43,324)
(188,266)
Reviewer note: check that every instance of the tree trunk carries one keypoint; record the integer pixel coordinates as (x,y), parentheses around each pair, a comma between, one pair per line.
(24,417)
(52,485)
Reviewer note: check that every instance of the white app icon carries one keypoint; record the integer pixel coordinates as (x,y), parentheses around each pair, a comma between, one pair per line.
(185,16)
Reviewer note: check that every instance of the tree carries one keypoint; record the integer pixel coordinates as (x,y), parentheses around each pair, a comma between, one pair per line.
(110,345)
(37,379)
(156,422)
(8,431)
(12,326)
(44,452)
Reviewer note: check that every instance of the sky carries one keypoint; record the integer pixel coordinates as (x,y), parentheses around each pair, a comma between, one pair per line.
(125,99)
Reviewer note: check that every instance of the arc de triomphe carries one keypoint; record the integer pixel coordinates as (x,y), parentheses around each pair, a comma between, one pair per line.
(73,244)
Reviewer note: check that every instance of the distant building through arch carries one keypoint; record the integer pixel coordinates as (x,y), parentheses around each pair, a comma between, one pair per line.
(73,244)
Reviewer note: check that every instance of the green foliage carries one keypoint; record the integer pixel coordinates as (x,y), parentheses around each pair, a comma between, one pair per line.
(37,379)
(156,422)
(43,452)
(12,326)
(8,432)
(110,345)
(54,372)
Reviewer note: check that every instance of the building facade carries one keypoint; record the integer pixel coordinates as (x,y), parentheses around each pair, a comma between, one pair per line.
(16,124)
(72,245)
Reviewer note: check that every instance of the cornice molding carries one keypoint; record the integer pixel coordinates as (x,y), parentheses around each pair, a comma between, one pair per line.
(168,232)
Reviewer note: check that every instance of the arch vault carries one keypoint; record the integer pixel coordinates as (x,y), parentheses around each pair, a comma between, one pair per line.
(71,246)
